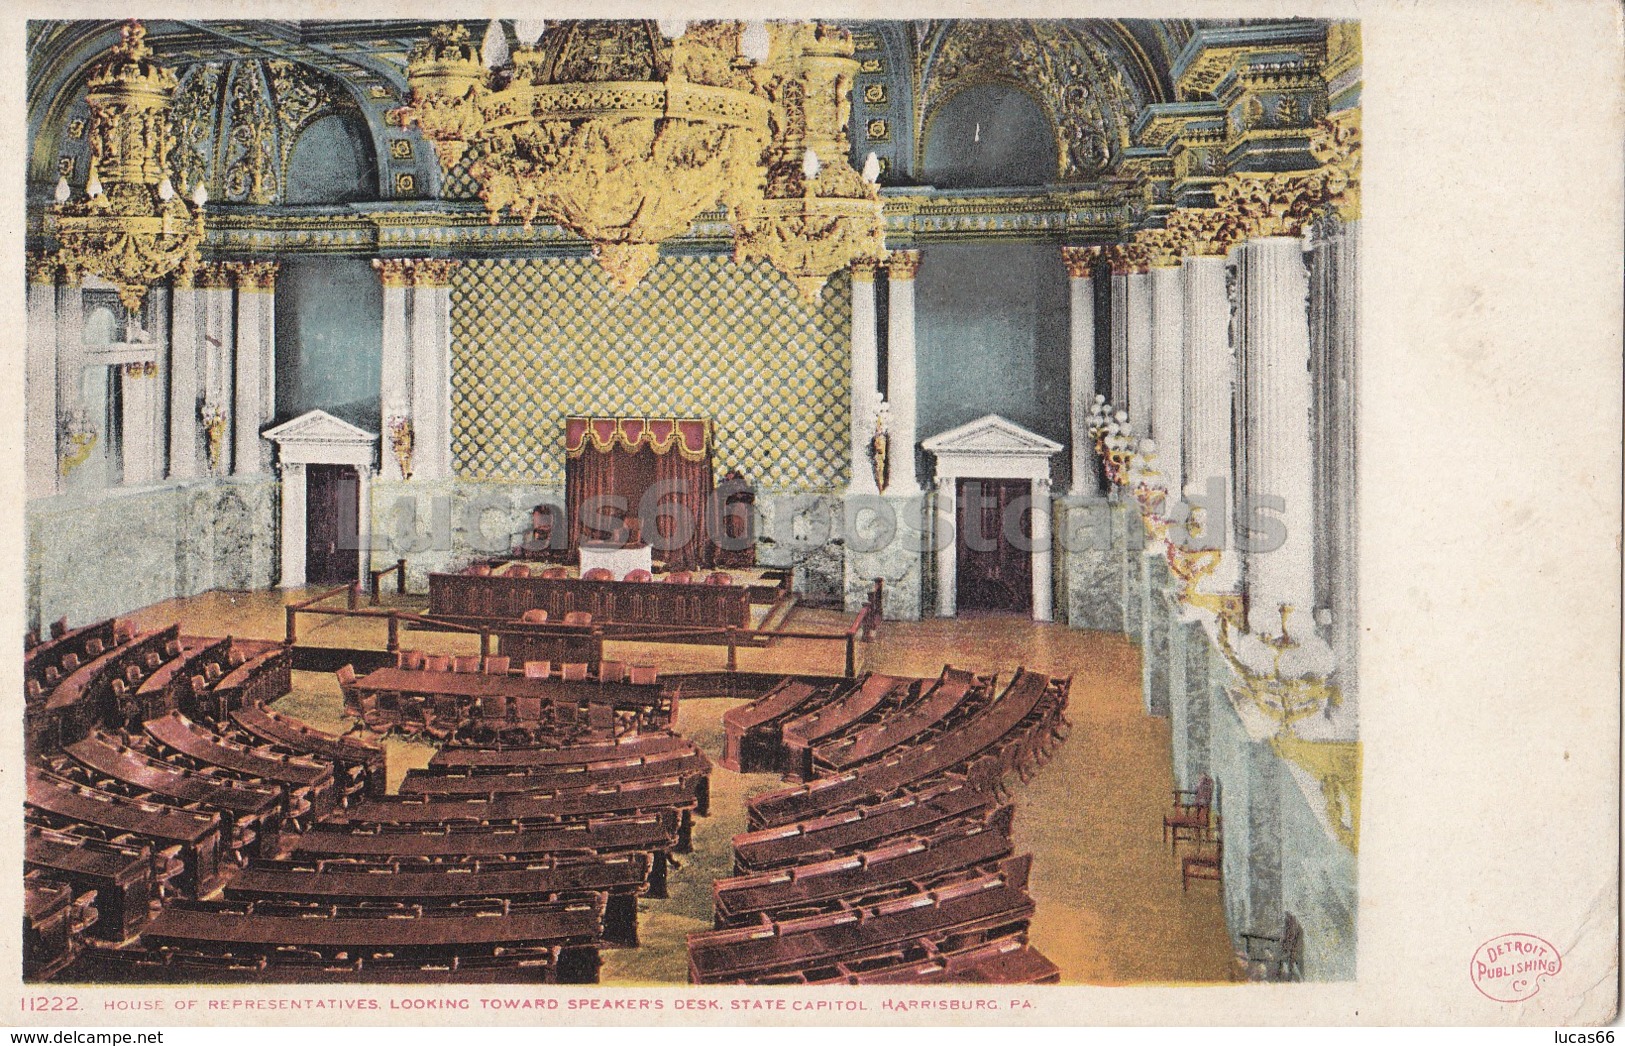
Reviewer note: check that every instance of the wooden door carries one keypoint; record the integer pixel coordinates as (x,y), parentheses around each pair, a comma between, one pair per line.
(994,538)
(332,510)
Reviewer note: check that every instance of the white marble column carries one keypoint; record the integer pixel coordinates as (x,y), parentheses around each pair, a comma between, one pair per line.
(1168,372)
(1043,553)
(395,370)
(219,339)
(40,383)
(1209,390)
(254,388)
(185,376)
(138,444)
(1080,263)
(430,323)
(1137,339)
(1280,461)
(293,524)
(901,267)
(70,380)
(865,377)
(364,478)
(947,549)
(1119,334)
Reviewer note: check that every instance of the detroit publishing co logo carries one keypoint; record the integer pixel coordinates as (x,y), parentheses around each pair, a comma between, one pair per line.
(1509,968)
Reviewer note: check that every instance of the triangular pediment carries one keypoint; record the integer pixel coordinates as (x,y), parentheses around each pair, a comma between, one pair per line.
(991,435)
(319,427)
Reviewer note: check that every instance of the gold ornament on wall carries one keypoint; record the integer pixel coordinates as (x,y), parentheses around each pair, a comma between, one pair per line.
(401,442)
(132,227)
(816,214)
(213,419)
(76,438)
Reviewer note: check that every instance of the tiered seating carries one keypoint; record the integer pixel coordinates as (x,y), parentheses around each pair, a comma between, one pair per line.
(55,918)
(121,876)
(307,785)
(894,863)
(46,664)
(99,690)
(552,942)
(179,681)
(876,696)
(358,763)
(753,741)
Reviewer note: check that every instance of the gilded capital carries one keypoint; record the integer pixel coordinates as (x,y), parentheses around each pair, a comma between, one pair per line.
(42,268)
(214,276)
(863,270)
(1163,247)
(394,272)
(1127,258)
(1080,261)
(903,265)
(433,272)
(254,275)
(1208,232)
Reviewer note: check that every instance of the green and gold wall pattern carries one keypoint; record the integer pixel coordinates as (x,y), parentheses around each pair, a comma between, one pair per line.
(536,340)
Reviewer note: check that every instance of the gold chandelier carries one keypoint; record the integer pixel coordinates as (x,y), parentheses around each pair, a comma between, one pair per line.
(131,227)
(603,126)
(817,214)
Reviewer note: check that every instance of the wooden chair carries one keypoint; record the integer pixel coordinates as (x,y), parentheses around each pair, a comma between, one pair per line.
(530,709)
(59,628)
(436,663)
(1191,814)
(534,616)
(1278,958)
(556,573)
(346,677)
(1208,860)
(601,718)
(638,576)
(409,659)
(480,570)
(719,577)
(497,665)
(518,570)
(35,691)
(538,669)
(611,671)
(573,671)
(680,577)
(70,662)
(578,618)
(467,664)
(598,574)
(493,707)
(643,675)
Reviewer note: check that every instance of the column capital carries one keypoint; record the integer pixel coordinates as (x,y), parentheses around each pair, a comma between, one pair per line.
(394,272)
(253,275)
(1127,259)
(903,264)
(43,268)
(433,272)
(1209,232)
(863,270)
(1081,261)
(214,276)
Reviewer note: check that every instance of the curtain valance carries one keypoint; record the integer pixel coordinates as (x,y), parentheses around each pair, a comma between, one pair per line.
(690,436)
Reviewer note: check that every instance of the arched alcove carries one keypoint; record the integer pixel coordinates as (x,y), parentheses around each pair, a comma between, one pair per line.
(986,136)
(332,162)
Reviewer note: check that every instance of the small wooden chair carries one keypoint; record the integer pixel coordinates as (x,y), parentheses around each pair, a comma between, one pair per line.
(497,665)
(411,660)
(573,671)
(1277,958)
(556,573)
(518,570)
(719,577)
(680,577)
(346,677)
(578,618)
(436,663)
(466,664)
(480,570)
(643,675)
(1208,860)
(638,576)
(598,574)
(534,616)
(538,669)
(530,710)
(1192,811)
(611,671)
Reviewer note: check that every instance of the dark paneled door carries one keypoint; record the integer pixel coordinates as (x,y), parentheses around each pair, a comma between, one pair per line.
(994,539)
(332,508)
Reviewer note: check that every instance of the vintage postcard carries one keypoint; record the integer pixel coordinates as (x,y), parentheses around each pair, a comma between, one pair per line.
(893,517)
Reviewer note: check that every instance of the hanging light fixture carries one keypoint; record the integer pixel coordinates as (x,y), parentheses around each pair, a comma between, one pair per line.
(816,214)
(605,127)
(131,228)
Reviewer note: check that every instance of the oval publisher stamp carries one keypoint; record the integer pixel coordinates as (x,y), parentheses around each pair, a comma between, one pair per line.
(1509,968)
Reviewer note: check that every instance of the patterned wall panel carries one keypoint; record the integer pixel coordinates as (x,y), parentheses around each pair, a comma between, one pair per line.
(536,340)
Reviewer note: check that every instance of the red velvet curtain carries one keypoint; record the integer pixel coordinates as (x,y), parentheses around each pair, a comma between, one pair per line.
(627,479)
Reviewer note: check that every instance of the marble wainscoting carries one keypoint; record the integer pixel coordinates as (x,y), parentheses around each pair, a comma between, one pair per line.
(92,555)
(885,537)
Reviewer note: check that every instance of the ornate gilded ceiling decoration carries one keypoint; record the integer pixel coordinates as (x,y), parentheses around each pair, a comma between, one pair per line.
(131,227)
(1062,64)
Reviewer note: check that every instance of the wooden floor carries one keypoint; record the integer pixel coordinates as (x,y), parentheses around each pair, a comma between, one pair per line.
(1110,907)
